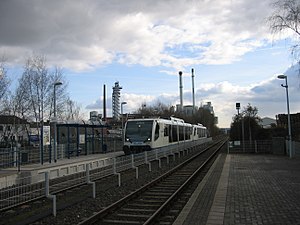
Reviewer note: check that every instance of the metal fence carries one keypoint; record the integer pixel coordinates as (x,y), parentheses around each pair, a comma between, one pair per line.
(256,146)
(16,190)
(274,146)
(16,156)
(296,147)
(9,157)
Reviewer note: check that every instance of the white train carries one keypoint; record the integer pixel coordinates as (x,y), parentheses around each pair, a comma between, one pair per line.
(147,134)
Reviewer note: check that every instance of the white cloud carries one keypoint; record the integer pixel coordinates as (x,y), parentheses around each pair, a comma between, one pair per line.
(176,34)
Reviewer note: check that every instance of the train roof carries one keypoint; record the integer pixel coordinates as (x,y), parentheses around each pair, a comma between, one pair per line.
(172,120)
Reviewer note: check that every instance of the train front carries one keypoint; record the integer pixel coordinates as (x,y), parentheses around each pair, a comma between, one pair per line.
(137,136)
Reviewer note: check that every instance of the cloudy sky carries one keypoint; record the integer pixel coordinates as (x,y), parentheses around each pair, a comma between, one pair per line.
(143,44)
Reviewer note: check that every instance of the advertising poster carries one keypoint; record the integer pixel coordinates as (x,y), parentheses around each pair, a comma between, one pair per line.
(81,139)
(46,135)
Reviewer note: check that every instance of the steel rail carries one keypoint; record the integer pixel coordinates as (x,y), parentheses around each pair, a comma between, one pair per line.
(106,211)
(180,189)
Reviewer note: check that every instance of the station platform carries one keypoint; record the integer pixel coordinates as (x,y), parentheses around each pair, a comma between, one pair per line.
(56,169)
(246,189)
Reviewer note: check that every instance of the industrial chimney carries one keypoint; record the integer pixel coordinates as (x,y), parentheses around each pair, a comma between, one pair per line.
(193,90)
(180,90)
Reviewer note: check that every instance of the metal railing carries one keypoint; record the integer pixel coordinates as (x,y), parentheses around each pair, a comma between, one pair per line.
(15,190)
(256,146)
(18,156)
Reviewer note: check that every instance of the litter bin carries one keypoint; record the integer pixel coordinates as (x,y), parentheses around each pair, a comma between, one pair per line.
(104,148)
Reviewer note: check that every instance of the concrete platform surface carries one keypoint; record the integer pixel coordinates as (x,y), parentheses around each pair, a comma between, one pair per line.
(247,189)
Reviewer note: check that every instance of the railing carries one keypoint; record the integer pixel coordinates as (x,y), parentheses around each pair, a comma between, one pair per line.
(9,157)
(256,146)
(296,147)
(274,146)
(18,190)
(16,156)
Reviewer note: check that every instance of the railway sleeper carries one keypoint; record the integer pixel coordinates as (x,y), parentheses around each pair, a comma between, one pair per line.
(169,185)
(163,189)
(159,192)
(162,197)
(150,201)
(139,210)
(143,206)
(134,216)
(125,222)
(183,173)
(177,177)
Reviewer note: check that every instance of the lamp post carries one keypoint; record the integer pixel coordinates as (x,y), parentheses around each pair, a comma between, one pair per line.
(57,83)
(282,76)
(238,106)
(122,103)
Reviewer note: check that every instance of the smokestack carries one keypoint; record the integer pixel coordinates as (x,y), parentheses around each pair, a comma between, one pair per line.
(104,102)
(193,90)
(180,90)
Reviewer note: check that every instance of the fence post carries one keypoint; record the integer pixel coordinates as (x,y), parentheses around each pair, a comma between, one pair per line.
(88,181)
(159,159)
(19,159)
(115,171)
(132,161)
(133,166)
(167,156)
(114,165)
(47,192)
(15,156)
(114,144)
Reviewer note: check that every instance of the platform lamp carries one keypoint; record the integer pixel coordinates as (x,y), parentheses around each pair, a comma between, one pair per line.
(57,83)
(123,103)
(282,76)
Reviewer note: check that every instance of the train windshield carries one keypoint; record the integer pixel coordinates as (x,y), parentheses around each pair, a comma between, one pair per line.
(138,131)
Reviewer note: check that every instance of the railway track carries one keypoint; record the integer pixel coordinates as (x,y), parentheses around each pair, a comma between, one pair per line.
(151,204)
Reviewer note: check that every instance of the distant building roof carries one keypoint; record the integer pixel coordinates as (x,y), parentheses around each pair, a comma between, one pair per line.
(9,119)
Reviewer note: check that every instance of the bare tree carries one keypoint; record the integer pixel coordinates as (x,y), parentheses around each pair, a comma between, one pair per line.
(4,82)
(286,17)
(33,98)
(72,111)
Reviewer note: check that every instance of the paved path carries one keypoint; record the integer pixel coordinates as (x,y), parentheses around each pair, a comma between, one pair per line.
(247,189)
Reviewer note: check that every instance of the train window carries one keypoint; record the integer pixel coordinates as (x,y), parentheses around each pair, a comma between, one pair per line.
(181,133)
(170,133)
(139,130)
(156,135)
(174,133)
(189,133)
(186,133)
(166,130)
